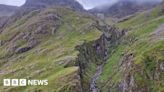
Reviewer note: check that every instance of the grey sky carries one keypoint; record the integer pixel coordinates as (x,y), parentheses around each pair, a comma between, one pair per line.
(87,4)
(12,2)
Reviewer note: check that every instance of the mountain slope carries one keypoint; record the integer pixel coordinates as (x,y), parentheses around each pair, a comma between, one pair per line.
(32,5)
(123,8)
(43,47)
(43,3)
(136,64)
(77,52)
(6,10)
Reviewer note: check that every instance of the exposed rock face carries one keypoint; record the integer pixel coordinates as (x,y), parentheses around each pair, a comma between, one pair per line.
(39,5)
(44,3)
(23,49)
(47,24)
(152,71)
(3,21)
(39,33)
(95,54)
(123,8)
(34,32)
(139,77)
(6,10)
(128,83)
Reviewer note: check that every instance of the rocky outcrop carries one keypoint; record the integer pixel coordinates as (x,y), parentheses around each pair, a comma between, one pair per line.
(139,77)
(128,83)
(42,34)
(46,25)
(3,21)
(22,49)
(93,55)
(47,3)
(35,6)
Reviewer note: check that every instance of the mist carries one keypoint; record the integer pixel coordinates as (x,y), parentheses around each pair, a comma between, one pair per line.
(13,2)
(87,4)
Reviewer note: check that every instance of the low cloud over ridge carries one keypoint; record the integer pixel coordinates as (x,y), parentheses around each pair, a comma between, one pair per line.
(89,4)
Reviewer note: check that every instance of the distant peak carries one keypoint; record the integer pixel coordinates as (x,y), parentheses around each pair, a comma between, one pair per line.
(44,3)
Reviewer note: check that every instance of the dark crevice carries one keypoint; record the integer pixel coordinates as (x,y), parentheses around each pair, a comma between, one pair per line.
(93,55)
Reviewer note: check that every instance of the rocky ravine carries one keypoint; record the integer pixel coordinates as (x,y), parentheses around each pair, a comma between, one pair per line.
(93,56)
(38,45)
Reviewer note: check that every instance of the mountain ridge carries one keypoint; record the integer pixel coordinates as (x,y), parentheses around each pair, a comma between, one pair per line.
(78,52)
(123,8)
(7,10)
(44,3)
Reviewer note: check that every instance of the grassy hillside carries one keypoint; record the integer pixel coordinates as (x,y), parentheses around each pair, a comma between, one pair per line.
(41,45)
(136,64)
(70,48)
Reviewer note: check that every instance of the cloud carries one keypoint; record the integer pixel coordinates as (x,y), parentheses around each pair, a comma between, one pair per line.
(88,4)
(12,2)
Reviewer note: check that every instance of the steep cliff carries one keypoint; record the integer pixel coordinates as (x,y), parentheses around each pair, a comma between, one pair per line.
(76,52)
(93,56)
(58,44)
(41,45)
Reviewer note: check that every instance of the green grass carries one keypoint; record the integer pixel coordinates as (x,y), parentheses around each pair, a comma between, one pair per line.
(112,63)
(142,18)
(48,58)
(146,49)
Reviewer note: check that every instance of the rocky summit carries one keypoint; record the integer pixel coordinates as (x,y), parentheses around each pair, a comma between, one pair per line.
(44,3)
(56,46)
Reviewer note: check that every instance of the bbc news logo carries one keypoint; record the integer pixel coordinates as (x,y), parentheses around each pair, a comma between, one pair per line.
(24,82)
